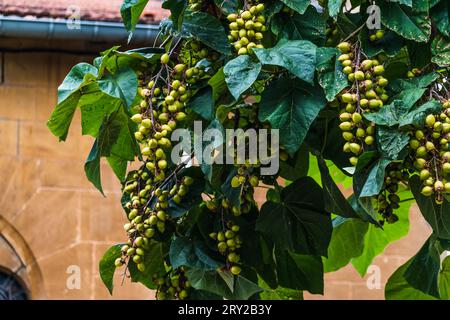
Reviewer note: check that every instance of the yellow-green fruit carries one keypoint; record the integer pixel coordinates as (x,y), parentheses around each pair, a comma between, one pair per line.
(356,117)
(446,167)
(377,70)
(424,174)
(235,270)
(235,182)
(348,136)
(346,126)
(353,161)
(232,17)
(242,51)
(344,47)
(359,75)
(165,58)
(366,64)
(439,186)
(355,148)
(369,140)
(430,120)
(137,118)
(180,116)
(427,191)
(254,181)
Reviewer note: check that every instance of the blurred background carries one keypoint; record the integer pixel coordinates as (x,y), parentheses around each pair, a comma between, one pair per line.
(54,226)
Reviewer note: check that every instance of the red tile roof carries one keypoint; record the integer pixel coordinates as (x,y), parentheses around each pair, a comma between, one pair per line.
(97,10)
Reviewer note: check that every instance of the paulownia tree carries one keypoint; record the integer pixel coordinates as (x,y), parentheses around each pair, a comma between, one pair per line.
(360,97)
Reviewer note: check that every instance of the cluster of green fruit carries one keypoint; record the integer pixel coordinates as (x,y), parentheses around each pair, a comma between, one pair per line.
(196,5)
(331,34)
(143,220)
(247,29)
(413,73)
(174,285)
(228,243)
(161,107)
(367,94)
(193,51)
(376,35)
(388,199)
(431,153)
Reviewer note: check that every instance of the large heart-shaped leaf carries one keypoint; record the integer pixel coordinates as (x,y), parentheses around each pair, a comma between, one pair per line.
(299,222)
(240,74)
(299,57)
(291,106)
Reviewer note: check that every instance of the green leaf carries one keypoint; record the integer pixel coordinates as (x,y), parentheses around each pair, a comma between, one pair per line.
(147,54)
(176,8)
(391,142)
(115,138)
(297,5)
(154,265)
(131,11)
(62,116)
(436,215)
(297,56)
(410,25)
(227,6)
(207,29)
(440,14)
(373,177)
(416,117)
(107,266)
(218,84)
(440,49)
(335,201)
(291,106)
(192,254)
(397,288)
(400,85)
(203,103)
(299,272)
(347,242)
(94,107)
(390,44)
(444,279)
(299,223)
(123,85)
(423,270)
(377,239)
(77,77)
(308,26)
(240,73)
(296,167)
(68,95)
(119,166)
(334,7)
(213,281)
(331,77)
(233,195)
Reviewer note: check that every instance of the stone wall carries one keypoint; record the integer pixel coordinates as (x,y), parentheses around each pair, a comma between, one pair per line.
(57,222)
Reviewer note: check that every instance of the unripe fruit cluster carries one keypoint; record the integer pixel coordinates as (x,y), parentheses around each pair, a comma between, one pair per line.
(173,286)
(431,154)
(195,5)
(331,34)
(388,199)
(160,111)
(376,35)
(247,29)
(144,221)
(228,242)
(194,51)
(367,94)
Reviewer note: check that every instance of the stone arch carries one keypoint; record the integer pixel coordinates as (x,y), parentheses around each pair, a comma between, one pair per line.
(17,258)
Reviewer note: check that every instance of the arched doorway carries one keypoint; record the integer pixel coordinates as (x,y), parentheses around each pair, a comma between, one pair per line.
(20,275)
(11,287)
